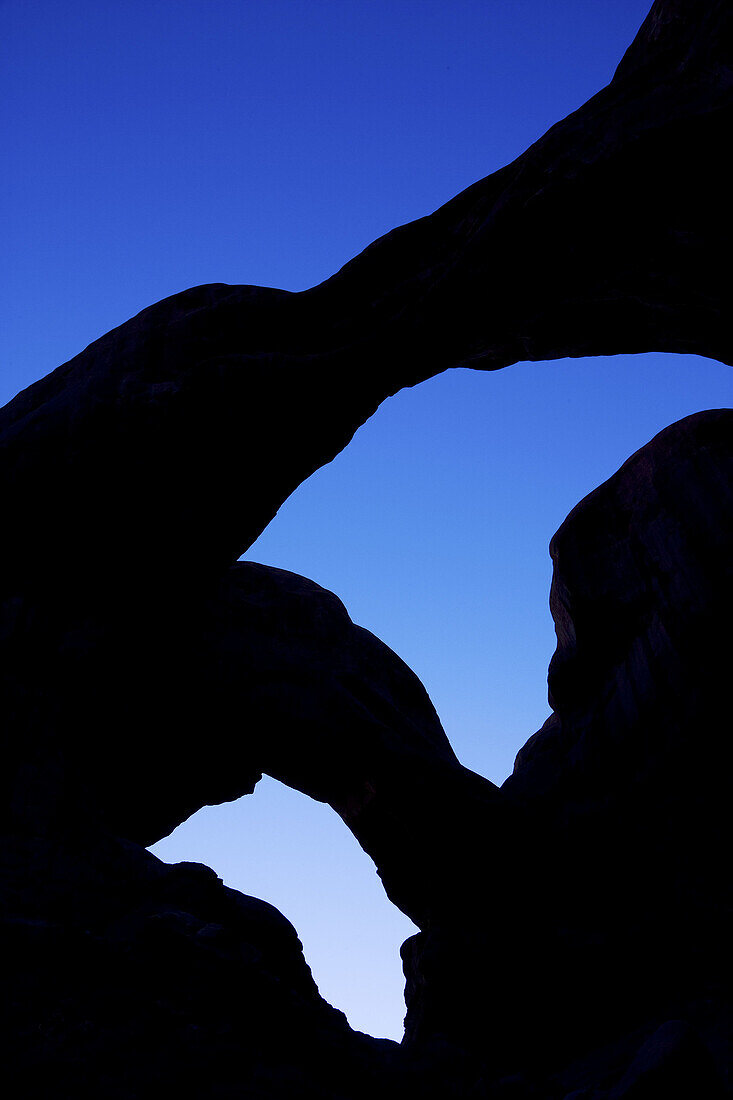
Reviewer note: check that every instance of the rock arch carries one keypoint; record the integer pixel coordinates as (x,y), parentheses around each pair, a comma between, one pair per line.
(154,459)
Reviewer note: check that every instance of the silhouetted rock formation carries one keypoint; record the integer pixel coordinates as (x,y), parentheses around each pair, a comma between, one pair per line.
(573,921)
(192,422)
(619,912)
(267,673)
(124,977)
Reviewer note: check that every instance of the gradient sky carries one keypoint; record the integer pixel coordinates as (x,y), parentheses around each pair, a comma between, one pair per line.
(152,146)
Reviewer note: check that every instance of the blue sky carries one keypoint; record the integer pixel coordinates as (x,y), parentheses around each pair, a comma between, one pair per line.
(154,146)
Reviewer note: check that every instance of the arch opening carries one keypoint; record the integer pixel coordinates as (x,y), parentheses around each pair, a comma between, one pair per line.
(283,847)
(433,526)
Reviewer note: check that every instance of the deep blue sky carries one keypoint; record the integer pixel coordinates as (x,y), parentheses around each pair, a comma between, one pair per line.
(151,146)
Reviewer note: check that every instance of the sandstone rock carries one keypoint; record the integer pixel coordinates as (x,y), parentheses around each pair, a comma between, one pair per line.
(616,914)
(163,450)
(125,977)
(564,918)
(642,600)
(266,674)
(673,1063)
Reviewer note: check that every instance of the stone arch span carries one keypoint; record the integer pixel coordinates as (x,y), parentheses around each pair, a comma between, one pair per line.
(162,450)
(144,673)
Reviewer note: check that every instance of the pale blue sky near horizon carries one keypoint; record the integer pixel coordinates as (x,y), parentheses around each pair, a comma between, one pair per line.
(159,145)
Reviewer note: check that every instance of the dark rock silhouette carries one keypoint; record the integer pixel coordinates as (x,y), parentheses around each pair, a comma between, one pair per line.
(125,977)
(573,921)
(265,674)
(192,422)
(618,916)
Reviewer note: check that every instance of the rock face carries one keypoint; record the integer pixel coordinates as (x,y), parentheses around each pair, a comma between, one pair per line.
(192,422)
(572,921)
(124,977)
(620,906)
(264,673)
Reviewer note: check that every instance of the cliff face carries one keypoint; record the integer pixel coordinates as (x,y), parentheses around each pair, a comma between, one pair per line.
(612,918)
(573,920)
